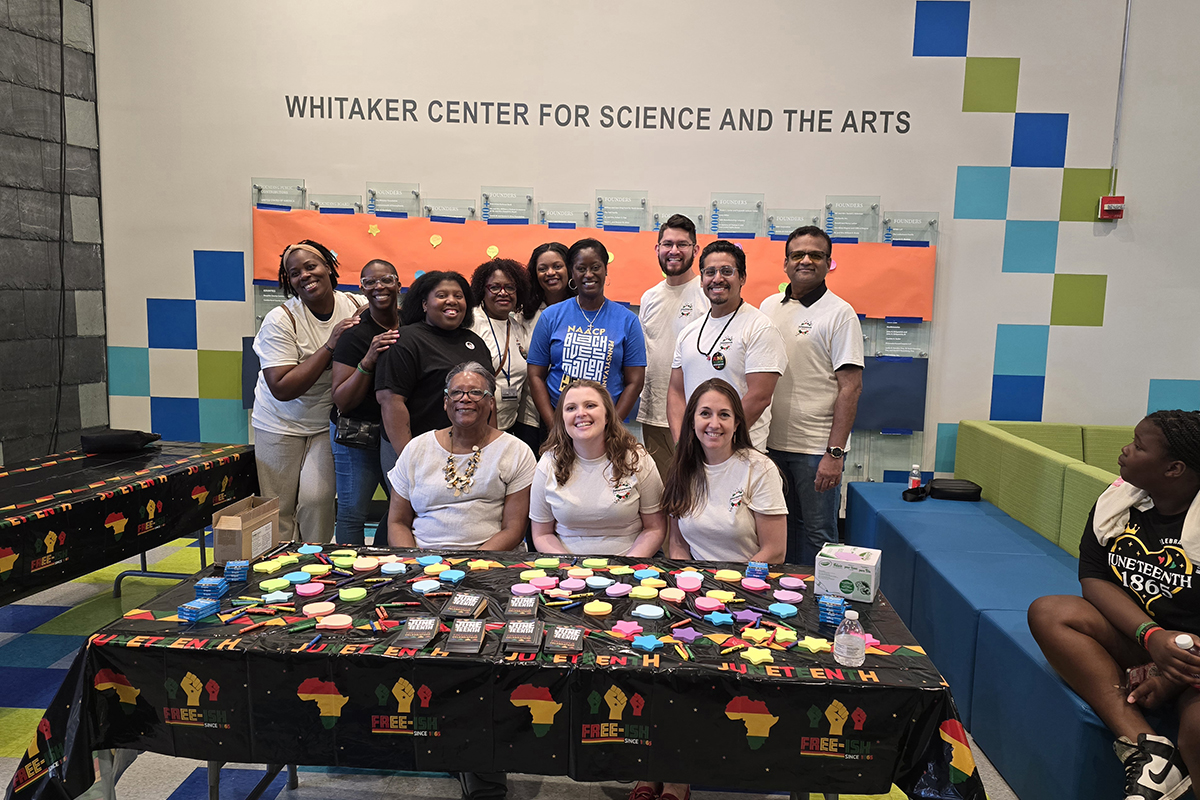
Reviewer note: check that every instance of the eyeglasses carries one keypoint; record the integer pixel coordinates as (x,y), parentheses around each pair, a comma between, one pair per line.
(725,272)
(382,280)
(676,245)
(815,256)
(500,288)
(474,394)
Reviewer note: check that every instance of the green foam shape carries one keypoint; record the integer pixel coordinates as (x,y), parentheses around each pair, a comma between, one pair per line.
(1078,300)
(990,84)
(220,374)
(1081,193)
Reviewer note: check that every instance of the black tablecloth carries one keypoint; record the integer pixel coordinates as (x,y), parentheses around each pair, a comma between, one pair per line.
(67,515)
(359,698)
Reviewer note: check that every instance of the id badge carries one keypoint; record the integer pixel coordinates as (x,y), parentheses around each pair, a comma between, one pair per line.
(509,393)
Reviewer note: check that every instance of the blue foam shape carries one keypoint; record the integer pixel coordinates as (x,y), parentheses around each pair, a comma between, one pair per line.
(223,421)
(947,441)
(981,193)
(38,649)
(1017,397)
(1171,394)
(129,371)
(428,561)
(175,419)
(171,324)
(1021,349)
(220,274)
(1039,140)
(1030,246)
(941,28)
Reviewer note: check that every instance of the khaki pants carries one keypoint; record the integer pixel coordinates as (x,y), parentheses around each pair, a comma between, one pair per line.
(299,471)
(661,447)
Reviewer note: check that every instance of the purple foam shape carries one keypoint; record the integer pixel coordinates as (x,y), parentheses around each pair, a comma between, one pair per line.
(687,634)
(784,596)
(524,589)
(618,590)
(791,582)
(747,616)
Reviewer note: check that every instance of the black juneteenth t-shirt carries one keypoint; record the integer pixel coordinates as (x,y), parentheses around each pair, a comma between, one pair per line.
(1147,561)
(352,345)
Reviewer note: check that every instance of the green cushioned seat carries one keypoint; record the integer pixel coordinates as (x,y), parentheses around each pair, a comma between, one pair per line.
(1082,484)
(977,456)
(1058,436)
(1102,444)
(1031,485)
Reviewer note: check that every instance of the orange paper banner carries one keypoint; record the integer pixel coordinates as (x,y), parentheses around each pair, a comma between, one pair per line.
(878,280)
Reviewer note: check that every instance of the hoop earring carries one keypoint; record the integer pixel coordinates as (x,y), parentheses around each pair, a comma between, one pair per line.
(571,284)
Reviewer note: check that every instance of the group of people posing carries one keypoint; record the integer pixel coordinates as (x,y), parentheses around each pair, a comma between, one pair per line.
(442,395)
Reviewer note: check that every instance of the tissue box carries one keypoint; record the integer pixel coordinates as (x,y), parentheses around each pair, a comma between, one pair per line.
(850,572)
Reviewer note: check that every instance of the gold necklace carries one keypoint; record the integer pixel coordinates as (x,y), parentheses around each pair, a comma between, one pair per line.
(460,483)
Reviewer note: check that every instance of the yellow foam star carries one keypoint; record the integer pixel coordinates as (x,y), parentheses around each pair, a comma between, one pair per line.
(480,563)
(815,644)
(373,230)
(757,655)
(756,635)
(785,635)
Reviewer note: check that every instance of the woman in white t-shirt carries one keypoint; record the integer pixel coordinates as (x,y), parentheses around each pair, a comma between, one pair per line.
(501,290)
(597,491)
(724,499)
(294,394)
(467,486)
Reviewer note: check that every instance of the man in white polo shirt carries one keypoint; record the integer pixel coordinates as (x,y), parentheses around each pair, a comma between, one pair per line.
(817,397)
(664,311)
(733,341)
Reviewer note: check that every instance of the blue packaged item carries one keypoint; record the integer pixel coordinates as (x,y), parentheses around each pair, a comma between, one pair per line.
(757,569)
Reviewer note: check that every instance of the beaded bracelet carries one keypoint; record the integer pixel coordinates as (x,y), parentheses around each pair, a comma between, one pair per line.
(359,367)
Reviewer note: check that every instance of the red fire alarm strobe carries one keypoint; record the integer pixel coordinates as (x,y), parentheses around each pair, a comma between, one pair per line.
(1112,207)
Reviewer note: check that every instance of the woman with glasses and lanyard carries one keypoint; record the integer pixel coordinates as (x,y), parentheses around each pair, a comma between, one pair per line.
(501,289)
(587,338)
(356,421)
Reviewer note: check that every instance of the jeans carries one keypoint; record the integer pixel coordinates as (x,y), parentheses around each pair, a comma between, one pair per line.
(358,472)
(812,515)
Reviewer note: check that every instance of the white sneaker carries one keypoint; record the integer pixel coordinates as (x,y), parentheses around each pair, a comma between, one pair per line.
(1154,770)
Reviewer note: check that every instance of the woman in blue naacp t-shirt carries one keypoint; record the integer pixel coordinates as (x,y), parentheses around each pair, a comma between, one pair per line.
(587,337)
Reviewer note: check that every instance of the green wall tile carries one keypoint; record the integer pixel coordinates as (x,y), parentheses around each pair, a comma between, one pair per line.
(220,374)
(1081,193)
(1078,300)
(991,84)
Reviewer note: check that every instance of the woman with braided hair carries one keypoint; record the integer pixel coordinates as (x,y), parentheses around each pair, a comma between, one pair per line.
(294,394)
(1140,606)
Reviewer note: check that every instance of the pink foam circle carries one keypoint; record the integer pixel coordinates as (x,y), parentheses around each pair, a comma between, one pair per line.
(708,604)
(310,589)
(544,583)
(790,582)
(335,622)
(573,584)
(689,581)
(671,595)
(317,609)
(618,590)
(755,584)
(784,596)
(524,589)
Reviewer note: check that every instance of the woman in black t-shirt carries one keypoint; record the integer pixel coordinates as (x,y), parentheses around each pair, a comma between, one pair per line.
(1139,594)
(359,468)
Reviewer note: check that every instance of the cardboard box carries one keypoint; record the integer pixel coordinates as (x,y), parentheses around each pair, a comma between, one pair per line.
(849,572)
(246,529)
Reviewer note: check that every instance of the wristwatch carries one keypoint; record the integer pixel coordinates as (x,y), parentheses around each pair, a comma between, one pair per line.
(837,452)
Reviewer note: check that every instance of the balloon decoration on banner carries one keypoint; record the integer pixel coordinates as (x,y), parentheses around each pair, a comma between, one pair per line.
(493,251)
(435,240)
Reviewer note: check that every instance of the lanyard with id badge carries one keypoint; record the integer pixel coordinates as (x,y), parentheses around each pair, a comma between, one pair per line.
(507,392)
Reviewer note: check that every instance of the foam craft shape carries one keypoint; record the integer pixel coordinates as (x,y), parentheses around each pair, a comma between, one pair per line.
(277,597)
(389,558)
(756,635)
(352,594)
(479,563)
(287,560)
(599,582)
(757,655)
(318,609)
(784,596)
(308,549)
(648,611)
(643,593)
(524,589)
(316,569)
(719,618)
(654,583)
(452,575)
(647,643)
(870,640)
(689,581)
(687,634)
(346,562)
(436,569)
(365,563)
(297,577)
(557,593)
(579,572)
(268,567)
(424,587)
(755,585)
(815,644)
(728,575)
(335,622)
(618,590)
(671,595)
(543,563)
(425,561)
(344,553)
(620,569)
(595,563)
(573,584)
(543,582)
(721,595)
(747,616)
(718,638)
(274,584)
(643,574)
(393,568)
(791,582)
(782,610)
(310,589)
(627,628)
(598,608)
(784,635)
(875,278)
(708,604)
(529,574)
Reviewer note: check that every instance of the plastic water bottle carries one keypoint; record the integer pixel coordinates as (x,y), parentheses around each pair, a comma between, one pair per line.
(850,643)
(1185,642)
(914,477)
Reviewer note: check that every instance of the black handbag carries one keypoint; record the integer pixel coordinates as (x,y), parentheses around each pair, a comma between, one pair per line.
(945,489)
(359,433)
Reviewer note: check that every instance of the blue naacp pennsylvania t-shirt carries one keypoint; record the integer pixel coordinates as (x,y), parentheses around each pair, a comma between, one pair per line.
(573,349)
